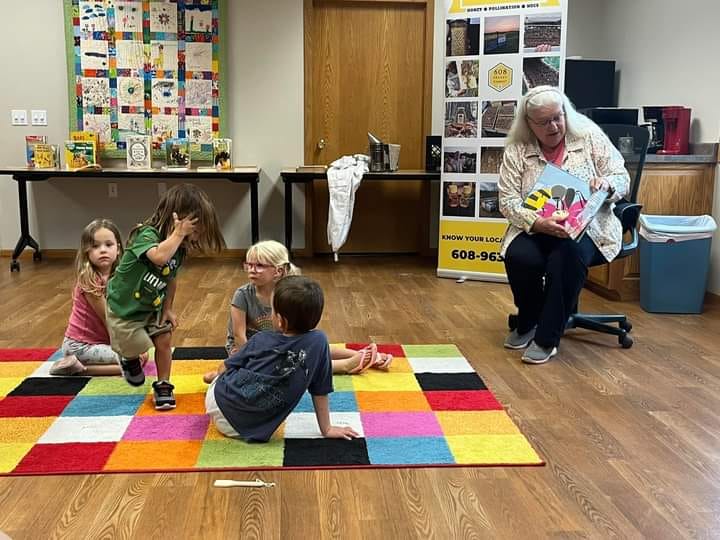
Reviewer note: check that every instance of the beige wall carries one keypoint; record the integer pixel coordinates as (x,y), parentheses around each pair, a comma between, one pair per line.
(265,112)
(666,52)
(265,119)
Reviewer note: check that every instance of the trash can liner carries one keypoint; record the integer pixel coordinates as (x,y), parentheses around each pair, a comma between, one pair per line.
(676,228)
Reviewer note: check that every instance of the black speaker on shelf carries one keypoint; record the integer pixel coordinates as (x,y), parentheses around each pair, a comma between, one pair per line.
(433,153)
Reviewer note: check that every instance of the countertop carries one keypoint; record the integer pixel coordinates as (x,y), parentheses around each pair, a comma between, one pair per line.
(699,153)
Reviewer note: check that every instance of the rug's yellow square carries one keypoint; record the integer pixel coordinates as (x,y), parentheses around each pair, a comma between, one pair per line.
(8,384)
(11,454)
(476,423)
(498,449)
(18,369)
(378,381)
(24,429)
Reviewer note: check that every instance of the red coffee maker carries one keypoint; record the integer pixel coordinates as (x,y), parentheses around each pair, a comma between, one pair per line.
(677,130)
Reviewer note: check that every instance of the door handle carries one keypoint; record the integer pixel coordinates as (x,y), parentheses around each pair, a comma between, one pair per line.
(321,144)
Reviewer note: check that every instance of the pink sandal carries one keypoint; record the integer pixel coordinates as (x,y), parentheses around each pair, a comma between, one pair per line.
(367,360)
(383,361)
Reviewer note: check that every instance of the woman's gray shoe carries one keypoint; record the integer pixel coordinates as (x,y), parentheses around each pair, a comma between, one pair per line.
(537,354)
(519,341)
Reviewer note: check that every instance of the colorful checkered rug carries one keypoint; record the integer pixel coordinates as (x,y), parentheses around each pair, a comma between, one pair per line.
(430,409)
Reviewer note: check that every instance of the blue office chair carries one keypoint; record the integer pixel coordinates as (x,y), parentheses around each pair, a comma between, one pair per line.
(628,212)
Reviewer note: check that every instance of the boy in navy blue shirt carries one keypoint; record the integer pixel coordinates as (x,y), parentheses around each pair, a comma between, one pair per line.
(264,381)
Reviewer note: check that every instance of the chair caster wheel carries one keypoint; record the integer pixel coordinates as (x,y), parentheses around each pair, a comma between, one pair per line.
(14,266)
(37,256)
(625,341)
(512,321)
(626,325)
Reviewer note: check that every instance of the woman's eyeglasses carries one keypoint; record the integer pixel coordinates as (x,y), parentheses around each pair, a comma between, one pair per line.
(545,123)
(257,267)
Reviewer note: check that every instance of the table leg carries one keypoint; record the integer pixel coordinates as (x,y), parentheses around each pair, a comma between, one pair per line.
(25,240)
(288,215)
(255,227)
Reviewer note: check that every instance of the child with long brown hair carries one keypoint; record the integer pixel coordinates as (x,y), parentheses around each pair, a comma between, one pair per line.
(86,346)
(142,290)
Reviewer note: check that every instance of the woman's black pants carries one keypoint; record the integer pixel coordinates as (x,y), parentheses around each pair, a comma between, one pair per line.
(546,275)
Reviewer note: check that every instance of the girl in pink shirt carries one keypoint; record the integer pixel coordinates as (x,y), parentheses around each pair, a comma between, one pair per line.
(86,347)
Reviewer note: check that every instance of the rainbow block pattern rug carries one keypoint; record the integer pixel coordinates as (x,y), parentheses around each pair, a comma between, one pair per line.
(431,409)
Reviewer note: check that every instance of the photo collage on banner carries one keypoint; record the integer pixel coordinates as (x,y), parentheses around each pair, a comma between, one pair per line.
(495,50)
(144,68)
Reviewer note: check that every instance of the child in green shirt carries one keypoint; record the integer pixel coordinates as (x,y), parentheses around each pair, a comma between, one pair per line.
(141,292)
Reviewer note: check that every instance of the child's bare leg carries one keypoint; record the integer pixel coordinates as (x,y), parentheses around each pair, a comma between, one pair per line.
(344,360)
(210,375)
(102,370)
(163,355)
(68,365)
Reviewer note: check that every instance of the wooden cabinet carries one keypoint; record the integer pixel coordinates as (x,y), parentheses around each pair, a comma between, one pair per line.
(667,189)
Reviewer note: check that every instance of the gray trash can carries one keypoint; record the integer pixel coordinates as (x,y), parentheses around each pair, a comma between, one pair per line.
(674,262)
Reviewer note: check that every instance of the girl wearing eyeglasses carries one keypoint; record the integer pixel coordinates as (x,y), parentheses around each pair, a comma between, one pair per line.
(250,310)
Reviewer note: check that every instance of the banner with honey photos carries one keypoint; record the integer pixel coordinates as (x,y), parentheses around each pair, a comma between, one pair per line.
(495,50)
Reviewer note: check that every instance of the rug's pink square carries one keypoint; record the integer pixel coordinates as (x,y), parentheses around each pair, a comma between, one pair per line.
(166,427)
(415,424)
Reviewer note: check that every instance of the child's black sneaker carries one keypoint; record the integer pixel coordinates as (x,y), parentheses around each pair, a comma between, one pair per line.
(163,395)
(132,371)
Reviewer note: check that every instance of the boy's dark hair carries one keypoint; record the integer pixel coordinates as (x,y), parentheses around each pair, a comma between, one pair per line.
(299,300)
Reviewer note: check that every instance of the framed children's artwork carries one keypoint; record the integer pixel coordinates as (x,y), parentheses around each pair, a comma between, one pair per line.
(139,67)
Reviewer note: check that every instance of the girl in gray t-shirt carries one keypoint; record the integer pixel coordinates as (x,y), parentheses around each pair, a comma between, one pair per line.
(266,263)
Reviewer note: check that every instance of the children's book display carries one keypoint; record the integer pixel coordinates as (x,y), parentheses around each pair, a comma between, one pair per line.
(139,152)
(222,154)
(30,142)
(81,151)
(566,197)
(80,155)
(44,156)
(177,154)
(39,154)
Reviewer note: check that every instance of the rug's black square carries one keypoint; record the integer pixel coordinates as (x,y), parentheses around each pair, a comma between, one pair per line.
(450,381)
(325,452)
(199,353)
(50,386)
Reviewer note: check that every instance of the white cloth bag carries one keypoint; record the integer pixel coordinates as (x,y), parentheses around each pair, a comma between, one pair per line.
(344,177)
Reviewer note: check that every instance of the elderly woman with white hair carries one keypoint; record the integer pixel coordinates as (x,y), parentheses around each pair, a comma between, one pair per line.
(547,269)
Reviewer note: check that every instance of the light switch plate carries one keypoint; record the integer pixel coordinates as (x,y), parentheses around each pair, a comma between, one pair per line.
(38,117)
(18,117)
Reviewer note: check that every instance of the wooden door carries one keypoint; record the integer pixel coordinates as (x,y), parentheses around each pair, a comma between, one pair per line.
(368,68)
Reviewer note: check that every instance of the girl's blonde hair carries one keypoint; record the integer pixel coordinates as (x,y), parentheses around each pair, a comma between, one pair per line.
(186,200)
(275,254)
(576,124)
(88,277)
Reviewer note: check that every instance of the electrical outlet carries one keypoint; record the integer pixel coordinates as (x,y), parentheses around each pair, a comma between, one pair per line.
(162,188)
(18,117)
(38,117)
(112,190)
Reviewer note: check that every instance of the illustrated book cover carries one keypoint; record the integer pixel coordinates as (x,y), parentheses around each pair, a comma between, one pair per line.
(222,154)
(139,152)
(565,196)
(46,156)
(30,142)
(80,154)
(177,154)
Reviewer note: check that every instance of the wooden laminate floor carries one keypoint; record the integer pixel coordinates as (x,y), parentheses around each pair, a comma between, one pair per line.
(631,437)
